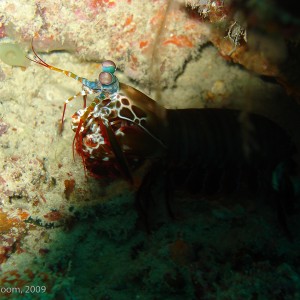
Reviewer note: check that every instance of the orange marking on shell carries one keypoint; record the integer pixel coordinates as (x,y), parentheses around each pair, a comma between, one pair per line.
(88,142)
(143,44)
(180,41)
(7,223)
(111,4)
(132,29)
(128,20)
(23,215)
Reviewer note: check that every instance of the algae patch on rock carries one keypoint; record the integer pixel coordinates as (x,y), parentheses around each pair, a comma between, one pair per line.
(13,55)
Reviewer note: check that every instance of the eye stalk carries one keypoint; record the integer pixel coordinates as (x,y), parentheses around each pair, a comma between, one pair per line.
(109,83)
(105,78)
(109,66)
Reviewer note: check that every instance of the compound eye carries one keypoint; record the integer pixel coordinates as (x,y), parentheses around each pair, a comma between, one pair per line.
(109,66)
(105,78)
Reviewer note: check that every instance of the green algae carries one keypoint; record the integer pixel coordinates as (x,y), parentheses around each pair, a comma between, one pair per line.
(13,55)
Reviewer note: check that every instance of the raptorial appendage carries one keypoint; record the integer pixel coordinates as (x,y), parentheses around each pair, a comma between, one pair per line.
(118,133)
(119,129)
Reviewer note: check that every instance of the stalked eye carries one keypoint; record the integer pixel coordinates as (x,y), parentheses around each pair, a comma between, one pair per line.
(109,66)
(105,78)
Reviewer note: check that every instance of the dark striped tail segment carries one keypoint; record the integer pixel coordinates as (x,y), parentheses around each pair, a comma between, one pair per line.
(213,151)
(217,137)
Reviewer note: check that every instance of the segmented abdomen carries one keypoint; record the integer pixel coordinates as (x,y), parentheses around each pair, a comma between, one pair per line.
(217,137)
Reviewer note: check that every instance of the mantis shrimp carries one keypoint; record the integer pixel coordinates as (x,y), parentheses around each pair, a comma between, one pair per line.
(122,127)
